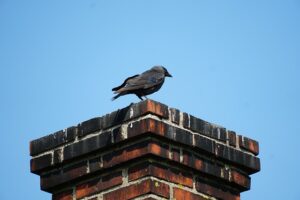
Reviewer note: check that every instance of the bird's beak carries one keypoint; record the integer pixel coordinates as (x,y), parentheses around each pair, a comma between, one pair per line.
(168,74)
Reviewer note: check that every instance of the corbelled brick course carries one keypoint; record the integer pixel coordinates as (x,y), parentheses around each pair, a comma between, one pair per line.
(146,151)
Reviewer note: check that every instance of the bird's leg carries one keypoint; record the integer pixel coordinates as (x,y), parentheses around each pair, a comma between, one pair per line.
(146,97)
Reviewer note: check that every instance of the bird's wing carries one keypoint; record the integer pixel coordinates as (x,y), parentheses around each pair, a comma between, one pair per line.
(146,80)
(124,83)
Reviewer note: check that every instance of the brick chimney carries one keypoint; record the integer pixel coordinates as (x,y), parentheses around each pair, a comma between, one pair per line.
(145,151)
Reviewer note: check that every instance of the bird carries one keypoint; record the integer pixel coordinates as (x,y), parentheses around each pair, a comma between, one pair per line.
(143,84)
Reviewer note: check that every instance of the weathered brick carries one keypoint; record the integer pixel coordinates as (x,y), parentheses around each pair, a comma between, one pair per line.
(47,142)
(231,137)
(139,171)
(162,172)
(187,158)
(175,154)
(87,145)
(174,115)
(248,144)
(98,184)
(117,135)
(90,126)
(240,179)
(65,175)
(180,194)
(138,189)
(200,126)
(40,163)
(159,149)
(248,162)
(184,137)
(57,156)
(134,151)
(65,195)
(205,144)
(95,164)
(186,120)
(159,128)
(155,108)
(215,191)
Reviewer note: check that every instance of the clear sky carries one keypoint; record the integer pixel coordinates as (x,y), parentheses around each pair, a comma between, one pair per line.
(234,63)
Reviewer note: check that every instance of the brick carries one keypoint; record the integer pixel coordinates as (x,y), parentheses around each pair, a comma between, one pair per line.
(174,115)
(248,162)
(162,172)
(204,144)
(188,159)
(231,137)
(181,177)
(215,191)
(57,156)
(117,135)
(198,164)
(40,163)
(98,184)
(212,169)
(47,142)
(155,108)
(134,151)
(58,177)
(248,144)
(240,179)
(87,146)
(138,189)
(159,128)
(175,154)
(95,164)
(52,141)
(180,194)
(65,195)
(159,149)
(186,120)
(184,137)
(71,133)
(200,126)
(90,126)
(218,133)
(139,171)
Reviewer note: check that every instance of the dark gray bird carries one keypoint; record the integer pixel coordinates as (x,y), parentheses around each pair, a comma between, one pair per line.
(143,84)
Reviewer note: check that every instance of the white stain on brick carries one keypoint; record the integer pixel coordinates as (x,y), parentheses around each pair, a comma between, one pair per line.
(124,128)
(131,113)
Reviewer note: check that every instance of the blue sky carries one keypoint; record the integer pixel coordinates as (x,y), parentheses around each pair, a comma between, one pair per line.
(234,63)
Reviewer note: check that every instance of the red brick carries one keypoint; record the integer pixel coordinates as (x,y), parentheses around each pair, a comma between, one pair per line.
(240,179)
(98,184)
(175,154)
(248,144)
(159,149)
(215,192)
(187,158)
(66,195)
(155,108)
(180,194)
(162,172)
(138,189)
(116,157)
(139,171)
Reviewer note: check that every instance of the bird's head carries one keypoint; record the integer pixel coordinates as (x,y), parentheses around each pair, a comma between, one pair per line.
(162,69)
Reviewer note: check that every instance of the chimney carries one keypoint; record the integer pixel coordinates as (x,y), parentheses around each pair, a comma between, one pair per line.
(145,151)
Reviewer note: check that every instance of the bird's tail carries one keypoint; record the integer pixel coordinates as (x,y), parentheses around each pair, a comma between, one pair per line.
(115,97)
(124,83)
